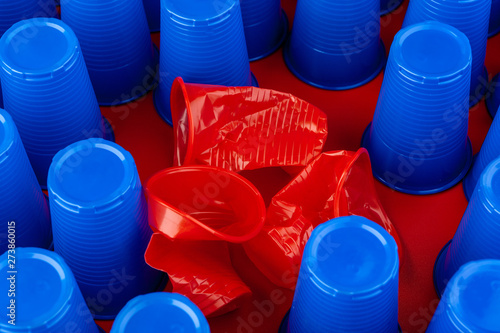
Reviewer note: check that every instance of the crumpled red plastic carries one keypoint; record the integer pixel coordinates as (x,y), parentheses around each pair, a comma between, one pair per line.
(338,183)
(244,128)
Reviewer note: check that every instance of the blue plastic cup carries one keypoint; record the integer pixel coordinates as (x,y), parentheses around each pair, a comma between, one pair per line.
(490,150)
(23,207)
(387,6)
(46,296)
(266,26)
(202,42)
(152,9)
(100,224)
(117,47)
(160,312)
(471,301)
(478,235)
(494,26)
(471,17)
(348,280)
(47,91)
(336,44)
(418,140)
(493,97)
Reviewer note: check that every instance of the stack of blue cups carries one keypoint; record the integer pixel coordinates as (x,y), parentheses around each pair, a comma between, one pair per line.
(160,312)
(490,150)
(13,11)
(117,47)
(478,235)
(348,280)
(335,44)
(23,207)
(47,91)
(100,224)
(152,9)
(202,42)
(266,26)
(493,97)
(418,140)
(387,6)
(46,297)
(470,302)
(470,17)
(494,26)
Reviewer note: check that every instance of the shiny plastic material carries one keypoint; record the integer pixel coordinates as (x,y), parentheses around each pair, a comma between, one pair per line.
(490,150)
(117,47)
(335,184)
(471,17)
(418,140)
(478,235)
(348,280)
(47,298)
(266,26)
(100,227)
(244,128)
(47,90)
(494,26)
(197,209)
(330,47)
(152,9)
(202,42)
(493,99)
(23,207)
(387,6)
(471,300)
(160,312)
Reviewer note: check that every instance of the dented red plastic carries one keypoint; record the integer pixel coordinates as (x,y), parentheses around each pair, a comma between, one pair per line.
(244,128)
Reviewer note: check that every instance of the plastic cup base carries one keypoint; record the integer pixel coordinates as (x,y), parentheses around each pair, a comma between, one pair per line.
(285,24)
(494,32)
(409,190)
(159,105)
(482,92)
(489,101)
(381,65)
(389,10)
(144,91)
(284,324)
(439,284)
(467,184)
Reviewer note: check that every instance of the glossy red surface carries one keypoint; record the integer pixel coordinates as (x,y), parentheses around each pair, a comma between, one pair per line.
(424,223)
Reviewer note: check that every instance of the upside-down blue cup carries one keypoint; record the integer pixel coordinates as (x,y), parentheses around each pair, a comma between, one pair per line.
(493,96)
(418,140)
(45,296)
(100,224)
(387,6)
(348,280)
(266,26)
(23,207)
(117,47)
(202,42)
(471,301)
(47,91)
(490,150)
(472,18)
(494,26)
(478,234)
(335,44)
(152,9)
(160,312)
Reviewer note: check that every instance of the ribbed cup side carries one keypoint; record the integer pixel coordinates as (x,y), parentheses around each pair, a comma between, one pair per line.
(22,200)
(313,310)
(112,33)
(444,320)
(494,25)
(14,11)
(152,9)
(478,235)
(409,113)
(470,17)
(258,11)
(334,26)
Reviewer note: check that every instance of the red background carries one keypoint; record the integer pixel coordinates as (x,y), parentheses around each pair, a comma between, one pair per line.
(424,223)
